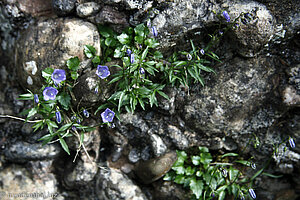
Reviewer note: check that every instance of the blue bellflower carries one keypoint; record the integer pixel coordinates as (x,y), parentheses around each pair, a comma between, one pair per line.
(131,58)
(154,31)
(189,56)
(86,113)
(292,143)
(58,76)
(252,193)
(226,16)
(202,51)
(102,71)
(58,117)
(128,51)
(36,98)
(50,93)
(142,70)
(107,115)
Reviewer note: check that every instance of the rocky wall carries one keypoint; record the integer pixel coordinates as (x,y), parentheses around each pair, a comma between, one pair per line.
(255,91)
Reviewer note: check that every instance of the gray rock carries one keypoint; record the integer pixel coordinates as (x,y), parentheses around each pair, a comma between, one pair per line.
(87,9)
(113,184)
(248,39)
(181,17)
(20,152)
(158,145)
(63,7)
(81,174)
(234,103)
(109,15)
(178,137)
(50,43)
(16,180)
(128,4)
(85,90)
(134,155)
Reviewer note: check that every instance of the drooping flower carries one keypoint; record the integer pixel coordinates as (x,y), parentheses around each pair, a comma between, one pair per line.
(36,98)
(253,165)
(73,118)
(131,58)
(58,117)
(58,76)
(292,143)
(128,51)
(50,93)
(78,121)
(226,16)
(86,113)
(189,56)
(74,128)
(142,70)
(96,90)
(107,115)
(102,71)
(252,193)
(154,31)
(202,51)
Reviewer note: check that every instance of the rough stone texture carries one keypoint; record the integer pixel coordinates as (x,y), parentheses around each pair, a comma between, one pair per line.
(231,99)
(113,184)
(50,43)
(34,7)
(63,7)
(17,181)
(180,17)
(87,9)
(251,37)
(22,152)
(111,16)
(83,173)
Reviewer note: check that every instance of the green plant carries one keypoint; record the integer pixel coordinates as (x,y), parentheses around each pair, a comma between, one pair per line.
(211,177)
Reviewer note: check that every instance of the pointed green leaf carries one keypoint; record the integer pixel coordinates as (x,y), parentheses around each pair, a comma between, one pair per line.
(64,144)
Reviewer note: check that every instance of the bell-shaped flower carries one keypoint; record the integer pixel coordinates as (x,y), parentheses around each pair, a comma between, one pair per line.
(102,71)
(58,76)
(86,113)
(292,143)
(58,117)
(142,70)
(50,93)
(132,58)
(107,115)
(252,193)
(202,51)
(154,31)
(36,98)
(226,16)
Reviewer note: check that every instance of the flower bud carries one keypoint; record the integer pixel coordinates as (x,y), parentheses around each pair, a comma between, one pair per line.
(142,70)
(154,31)
(86,113)
(202,51)
(292,143)
(253,165)
(131,58)
(189,57)
(36,98)
(252,193)
(58,117)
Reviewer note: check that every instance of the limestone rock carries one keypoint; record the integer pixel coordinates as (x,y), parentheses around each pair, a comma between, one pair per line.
(113,184)
(22,152)
(87,9)
(16,182)
(251,37)
(63,7)
(50,43)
